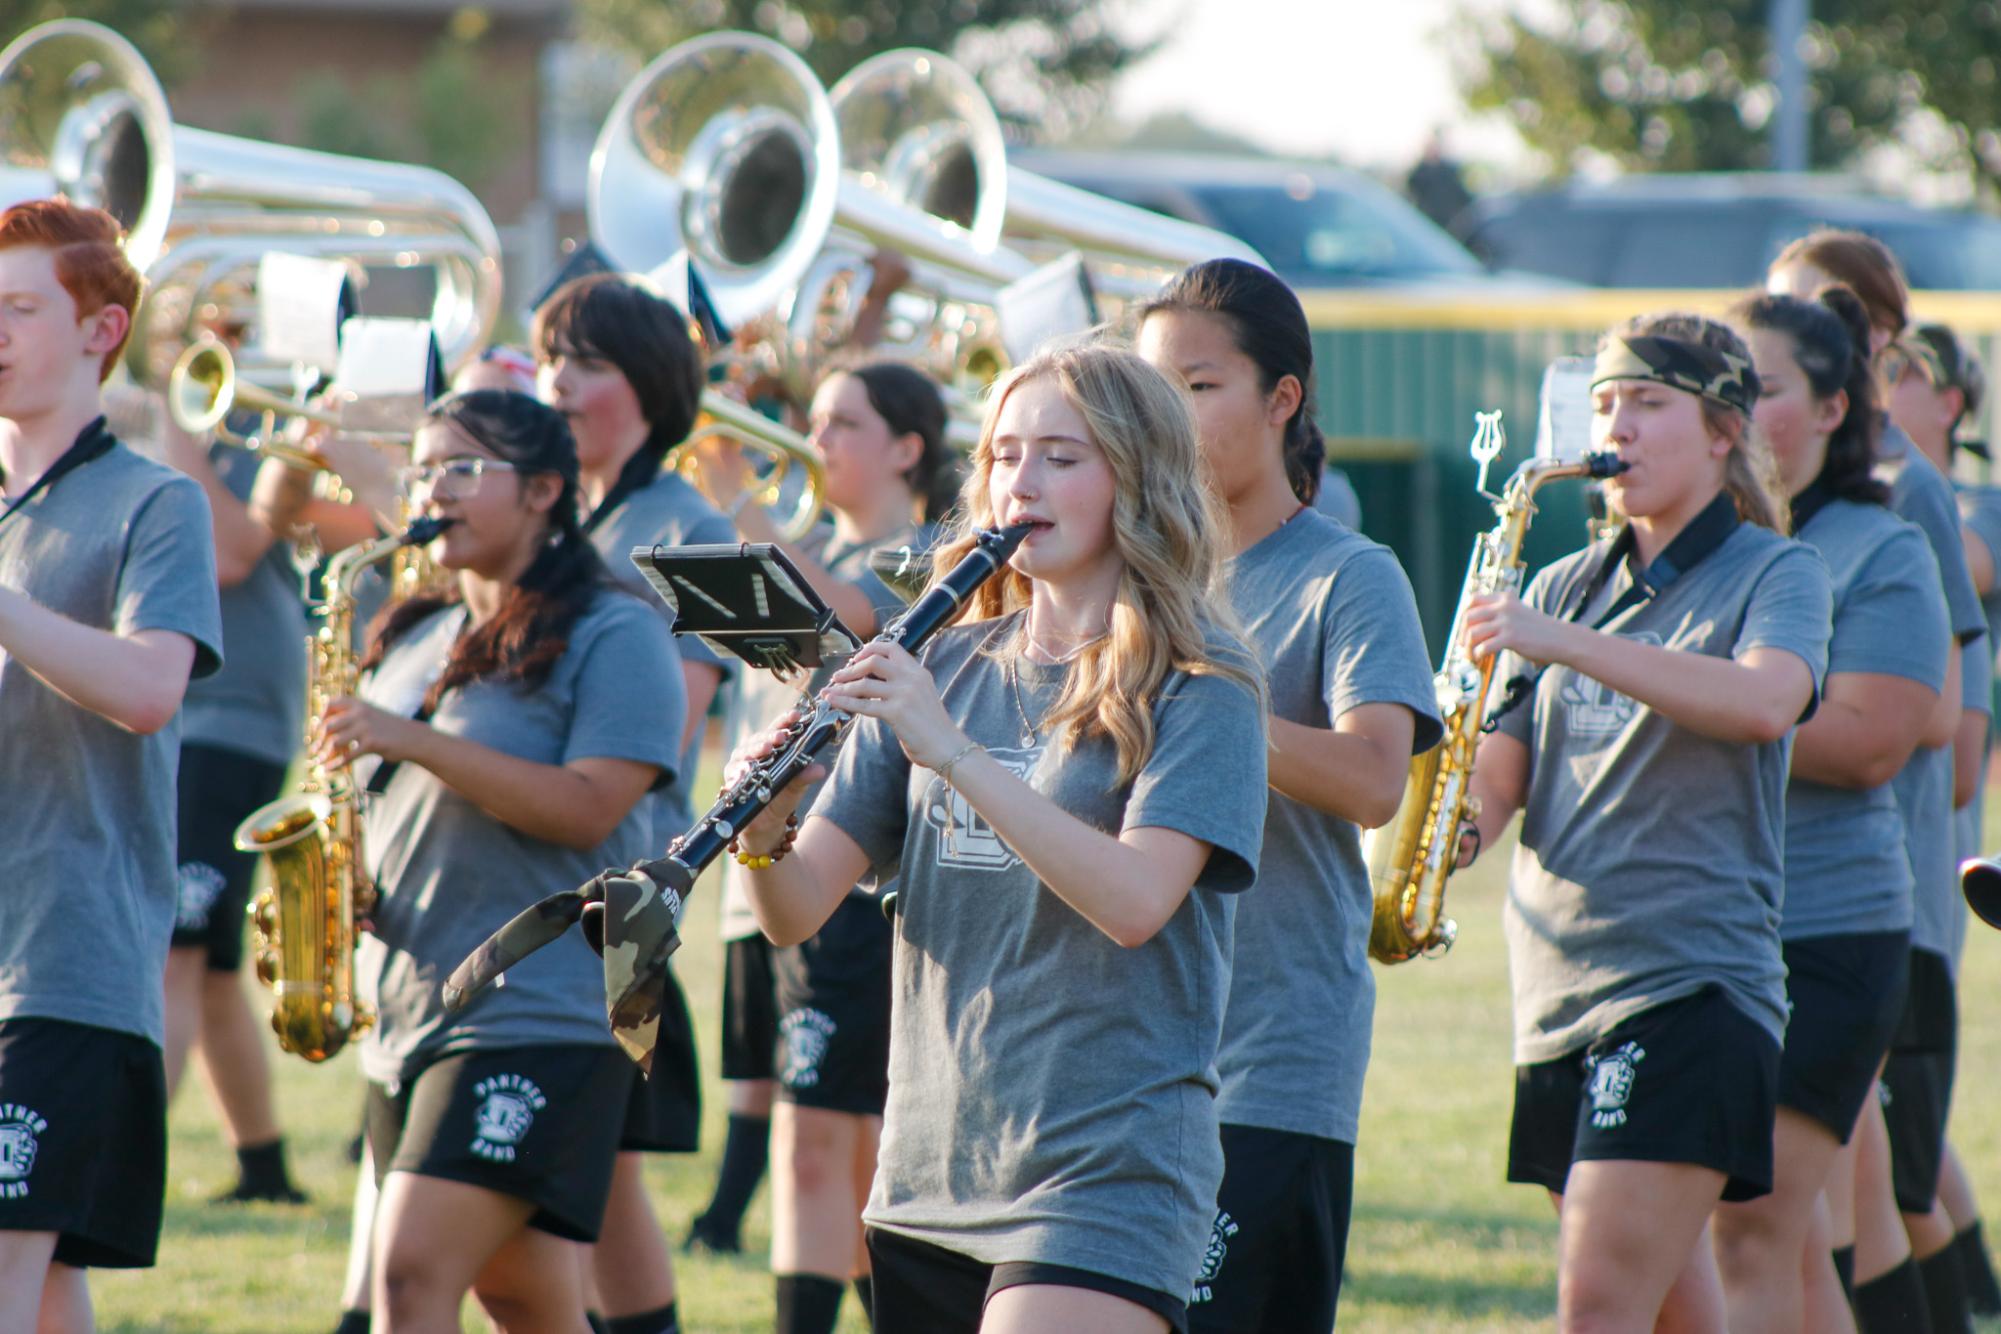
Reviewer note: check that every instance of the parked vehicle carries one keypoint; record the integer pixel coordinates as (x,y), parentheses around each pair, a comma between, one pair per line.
(1318,226)
(1720,230)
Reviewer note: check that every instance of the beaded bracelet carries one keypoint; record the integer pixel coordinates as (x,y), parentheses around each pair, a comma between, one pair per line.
(764,861)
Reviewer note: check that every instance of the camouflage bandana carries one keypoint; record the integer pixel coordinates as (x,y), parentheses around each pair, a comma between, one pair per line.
(1679,364)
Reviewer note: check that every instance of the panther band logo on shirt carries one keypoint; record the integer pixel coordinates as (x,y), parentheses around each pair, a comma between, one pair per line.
(805,1033)
(1592,708)
(1212,1259)
(507,1108)
(200,886)
(1612,1084)
(964,839)
(19,1128)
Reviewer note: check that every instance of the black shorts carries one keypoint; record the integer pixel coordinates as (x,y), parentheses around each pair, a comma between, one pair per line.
(750,1008)
(833,1013)
(83,1140)
(218,788)
(1281,1234)
(1694,1080)
(664,1112)
(1917,1082)
(1847,995)
(924,1289)
(536,1123)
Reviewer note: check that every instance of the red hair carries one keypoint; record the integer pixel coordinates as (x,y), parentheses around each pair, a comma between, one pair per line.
(90,263)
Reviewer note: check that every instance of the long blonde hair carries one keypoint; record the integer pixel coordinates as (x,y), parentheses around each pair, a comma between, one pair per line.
(1171,612)
(1750,473)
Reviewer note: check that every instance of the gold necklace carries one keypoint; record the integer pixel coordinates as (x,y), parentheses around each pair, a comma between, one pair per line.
(1014,689)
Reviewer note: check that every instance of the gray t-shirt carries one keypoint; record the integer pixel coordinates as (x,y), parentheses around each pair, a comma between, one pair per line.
(1335,625)
(666,512)
(1651,862)
(1977,666)
(1980,512)
(1920,493)
(1051,1093)
(256,705)
(761,696)
(120,544)
(1846,871)
(450,873)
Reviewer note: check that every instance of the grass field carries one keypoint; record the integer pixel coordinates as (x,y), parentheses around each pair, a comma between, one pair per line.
(1439,1242)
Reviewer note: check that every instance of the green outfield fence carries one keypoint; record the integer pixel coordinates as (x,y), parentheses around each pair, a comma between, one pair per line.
(1401,376)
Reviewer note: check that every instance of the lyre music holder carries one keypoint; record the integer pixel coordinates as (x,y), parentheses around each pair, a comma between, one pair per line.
(749,600)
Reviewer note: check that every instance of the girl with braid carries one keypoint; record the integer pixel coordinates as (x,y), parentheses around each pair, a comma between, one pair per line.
(512,727)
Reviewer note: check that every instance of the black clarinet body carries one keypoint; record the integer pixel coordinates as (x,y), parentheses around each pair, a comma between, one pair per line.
(742,801)
(632,916)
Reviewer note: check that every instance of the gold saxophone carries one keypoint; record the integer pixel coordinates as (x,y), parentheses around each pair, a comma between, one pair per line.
(1410,858)
(311,840)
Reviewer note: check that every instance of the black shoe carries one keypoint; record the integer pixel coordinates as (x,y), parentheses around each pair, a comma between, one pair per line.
(243,1193)
(707,1236)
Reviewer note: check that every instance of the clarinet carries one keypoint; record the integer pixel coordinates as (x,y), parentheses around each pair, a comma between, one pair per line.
(643,890)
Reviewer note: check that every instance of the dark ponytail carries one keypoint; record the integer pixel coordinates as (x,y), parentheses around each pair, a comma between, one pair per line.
(1830,340)
(531,632)
(908,401)
(1270,328)
(611,318)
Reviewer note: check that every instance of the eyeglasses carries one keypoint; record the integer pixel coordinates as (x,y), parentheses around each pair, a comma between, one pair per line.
(458,478)
(1902,357)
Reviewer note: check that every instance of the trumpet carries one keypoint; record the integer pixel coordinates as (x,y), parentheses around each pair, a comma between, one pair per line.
(723,418)
(204,389)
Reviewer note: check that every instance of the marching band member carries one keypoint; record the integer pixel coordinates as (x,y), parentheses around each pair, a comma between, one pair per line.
(518,721)
(1676,658)
(107,610)
(1336,628)
(239,732)
(1918,1077)
(879,429)
(1845,924)
(1936,385)
(616,360)
(1066,788)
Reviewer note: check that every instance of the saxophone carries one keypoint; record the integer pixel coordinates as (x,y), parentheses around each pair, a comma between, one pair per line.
(1410,858)
(311,840)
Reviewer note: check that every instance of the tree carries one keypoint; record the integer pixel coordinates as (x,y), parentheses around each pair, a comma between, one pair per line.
(1679,85)
(1045,63)
(169,38)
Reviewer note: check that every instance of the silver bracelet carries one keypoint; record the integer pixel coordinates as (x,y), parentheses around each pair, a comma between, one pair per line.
(944,770)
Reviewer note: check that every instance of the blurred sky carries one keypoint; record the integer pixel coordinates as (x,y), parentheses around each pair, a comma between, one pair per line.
(1363,81)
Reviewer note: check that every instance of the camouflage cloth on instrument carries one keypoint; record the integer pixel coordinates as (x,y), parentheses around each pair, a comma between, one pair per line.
(629,917)
(1680,364)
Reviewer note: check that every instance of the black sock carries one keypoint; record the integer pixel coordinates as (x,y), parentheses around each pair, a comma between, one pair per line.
(262,1167)
(1844,1269)
(1945,1293)
(595,1319)
(807,1304)
(1983,1294)
(352,1322)
(746,1149)
(660,1320)
(1893,1303)
(865,1294)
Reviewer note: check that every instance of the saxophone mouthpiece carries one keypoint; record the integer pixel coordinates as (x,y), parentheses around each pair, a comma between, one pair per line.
(1605,463)
(424,531)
